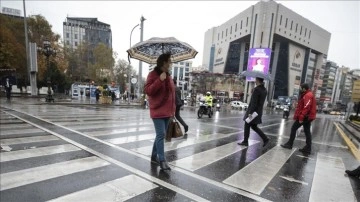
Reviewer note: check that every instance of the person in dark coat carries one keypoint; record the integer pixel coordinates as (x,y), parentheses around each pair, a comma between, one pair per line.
(256,105)
(8,88)
(179,103)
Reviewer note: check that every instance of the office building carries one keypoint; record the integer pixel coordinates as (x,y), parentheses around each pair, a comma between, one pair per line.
(298,47)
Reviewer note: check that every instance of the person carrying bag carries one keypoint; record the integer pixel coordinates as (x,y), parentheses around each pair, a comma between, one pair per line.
(173,130)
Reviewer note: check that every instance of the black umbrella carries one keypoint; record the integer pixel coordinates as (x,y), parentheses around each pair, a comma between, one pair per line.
(256,74)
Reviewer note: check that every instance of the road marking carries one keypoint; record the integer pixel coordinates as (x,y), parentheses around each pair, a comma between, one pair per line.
(111,160)
(138,172)
(37,174)
(205,158)
(257,175)
(329,178)
(291,179)
(16,131)
(338,145)
(5,148)
(42,151)
(351,145)
(121,189)
(25,140)
(168,146)
(128,139)
(306,157)
(121,131)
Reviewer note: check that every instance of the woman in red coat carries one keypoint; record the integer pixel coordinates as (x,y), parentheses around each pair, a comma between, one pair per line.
(160,90)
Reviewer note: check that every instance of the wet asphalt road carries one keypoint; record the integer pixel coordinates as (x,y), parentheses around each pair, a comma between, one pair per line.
(101,153)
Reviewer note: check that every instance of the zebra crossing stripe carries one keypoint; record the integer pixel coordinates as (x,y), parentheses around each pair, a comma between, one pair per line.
(255,176)
(120,131)
(134,138)
(16,132)
(329,178)
(168,146)
(43,151)
(37,174)
(205,158)
(117,190)
(24,140)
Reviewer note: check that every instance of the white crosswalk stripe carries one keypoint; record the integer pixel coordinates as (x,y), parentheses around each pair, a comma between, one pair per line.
(36,152)
(255,176)
(117,190)
(329,178)
(37,174)
(205,158)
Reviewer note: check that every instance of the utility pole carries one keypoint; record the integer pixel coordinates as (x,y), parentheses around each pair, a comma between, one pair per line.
(27,48)
(142,19)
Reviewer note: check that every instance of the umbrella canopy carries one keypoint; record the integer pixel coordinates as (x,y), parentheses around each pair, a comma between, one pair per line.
(148,51)
(256,74)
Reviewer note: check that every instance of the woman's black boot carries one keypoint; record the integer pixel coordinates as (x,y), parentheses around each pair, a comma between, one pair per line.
(164,165)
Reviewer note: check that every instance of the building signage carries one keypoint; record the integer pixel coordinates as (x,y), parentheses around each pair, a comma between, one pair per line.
(11,11)
(355,95)
(259,60)
(296,62)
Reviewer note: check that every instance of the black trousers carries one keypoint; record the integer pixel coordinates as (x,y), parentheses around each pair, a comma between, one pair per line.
(178,117)
(256,129)
(297,125)
(8,93)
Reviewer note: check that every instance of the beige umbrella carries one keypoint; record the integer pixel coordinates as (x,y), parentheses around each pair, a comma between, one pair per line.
(148,51)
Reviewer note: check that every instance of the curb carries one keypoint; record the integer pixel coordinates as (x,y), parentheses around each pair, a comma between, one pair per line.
(348,142)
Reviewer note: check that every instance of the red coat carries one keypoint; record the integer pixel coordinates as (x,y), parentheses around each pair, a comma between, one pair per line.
(161,95)
(306,106)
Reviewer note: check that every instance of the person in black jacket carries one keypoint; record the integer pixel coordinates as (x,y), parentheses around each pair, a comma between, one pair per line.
(8,87)
(256,105)
(179,103)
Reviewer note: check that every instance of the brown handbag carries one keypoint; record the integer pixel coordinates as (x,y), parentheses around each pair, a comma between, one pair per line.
(173,130)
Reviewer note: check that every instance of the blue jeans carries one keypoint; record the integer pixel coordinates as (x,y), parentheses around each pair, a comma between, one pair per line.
(161,125)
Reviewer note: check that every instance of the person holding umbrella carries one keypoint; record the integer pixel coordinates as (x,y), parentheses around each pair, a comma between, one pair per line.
(255,107)
(160,90)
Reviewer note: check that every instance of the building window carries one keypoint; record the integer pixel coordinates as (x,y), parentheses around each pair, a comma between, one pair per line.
(247,21)
(296,28)
(235,27)
(67,35)
(75,36)
(187,64)
(300,30)
(286,22)
(218,36)
(309,33)
(305,31)
(67,42)
(241,24)
(76,43)
(231,30)
(280,19)
(291,25)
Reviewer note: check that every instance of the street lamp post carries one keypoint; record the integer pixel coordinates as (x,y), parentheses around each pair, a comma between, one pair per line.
(129,75)
(48,51)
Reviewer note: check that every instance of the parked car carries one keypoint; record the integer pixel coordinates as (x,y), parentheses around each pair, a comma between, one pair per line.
(238,105)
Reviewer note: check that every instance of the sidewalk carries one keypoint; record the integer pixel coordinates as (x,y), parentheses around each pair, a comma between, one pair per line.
(63,100)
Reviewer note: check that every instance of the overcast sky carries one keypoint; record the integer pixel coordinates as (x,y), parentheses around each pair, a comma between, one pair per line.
(189,20)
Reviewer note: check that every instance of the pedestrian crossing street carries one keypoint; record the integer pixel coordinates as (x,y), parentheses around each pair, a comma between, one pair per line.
(73,153)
